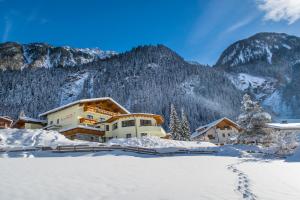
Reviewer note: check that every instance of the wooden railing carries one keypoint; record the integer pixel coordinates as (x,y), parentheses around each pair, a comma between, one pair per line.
(98,110)
(87,121)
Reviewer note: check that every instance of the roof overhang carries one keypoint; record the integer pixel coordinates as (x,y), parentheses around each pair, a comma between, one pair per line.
(281,126)
(124,110)
(159,119)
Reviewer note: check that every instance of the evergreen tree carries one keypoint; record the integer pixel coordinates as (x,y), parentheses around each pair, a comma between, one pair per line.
(185,127)
(174,124)
(253,119)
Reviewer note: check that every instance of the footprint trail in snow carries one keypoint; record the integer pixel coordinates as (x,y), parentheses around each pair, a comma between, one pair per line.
(243,186)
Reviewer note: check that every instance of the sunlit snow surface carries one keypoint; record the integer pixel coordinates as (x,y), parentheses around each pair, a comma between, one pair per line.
(230,174)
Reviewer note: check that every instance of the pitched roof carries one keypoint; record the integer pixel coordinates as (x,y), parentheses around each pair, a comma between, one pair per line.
(6,118)
(210,125)
(84,101)
(33,120)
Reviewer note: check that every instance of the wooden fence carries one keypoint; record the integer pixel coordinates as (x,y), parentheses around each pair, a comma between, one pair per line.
(103,148)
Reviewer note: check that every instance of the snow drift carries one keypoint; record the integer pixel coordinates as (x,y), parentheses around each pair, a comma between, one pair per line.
(156,142)
(26,138)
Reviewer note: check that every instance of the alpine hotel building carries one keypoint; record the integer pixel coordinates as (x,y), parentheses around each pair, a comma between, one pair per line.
(101,119)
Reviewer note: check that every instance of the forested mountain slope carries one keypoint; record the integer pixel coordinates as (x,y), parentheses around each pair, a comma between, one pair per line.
(145,79)
(267,66)
(38,77)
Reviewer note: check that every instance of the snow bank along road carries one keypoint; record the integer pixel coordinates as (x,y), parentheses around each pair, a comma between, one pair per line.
(132,177)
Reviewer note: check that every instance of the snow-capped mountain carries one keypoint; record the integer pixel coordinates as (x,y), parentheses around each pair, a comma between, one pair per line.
(150,78)
(145,79)
(35,55)
(265,66)
(265,48)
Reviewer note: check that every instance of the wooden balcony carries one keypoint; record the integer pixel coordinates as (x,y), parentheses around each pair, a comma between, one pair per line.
(87,121)
(98,110)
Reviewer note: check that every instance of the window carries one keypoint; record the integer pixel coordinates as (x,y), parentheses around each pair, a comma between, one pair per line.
(57,121)
(51,122)
(107,127)
(228,134)
(211,137)
(90,116)
(145,122)
(143,134)
(115,126)
(128,123)
(223,135)
(101,119)
(128,135)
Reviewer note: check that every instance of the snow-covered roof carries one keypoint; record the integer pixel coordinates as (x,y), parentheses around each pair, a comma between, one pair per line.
(84,101)
(206,127)
(6,118)
(284,126)
(29,119)
(79,126)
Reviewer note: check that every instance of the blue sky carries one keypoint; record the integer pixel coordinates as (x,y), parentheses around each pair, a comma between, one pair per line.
(196,29)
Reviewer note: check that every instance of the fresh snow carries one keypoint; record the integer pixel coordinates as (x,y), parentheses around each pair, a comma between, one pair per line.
(244,81)
(272,180)
(117,177)
(27,138)
(73,87)
(113,176)
(233,173)
(156,142)
(275,102)
(269,55)
(286,46)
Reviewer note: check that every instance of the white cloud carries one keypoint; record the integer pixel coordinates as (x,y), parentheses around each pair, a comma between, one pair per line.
(239,24)
(277,10)
(7,28)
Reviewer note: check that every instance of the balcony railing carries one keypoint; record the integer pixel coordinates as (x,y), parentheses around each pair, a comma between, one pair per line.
(98,110)
(87,121)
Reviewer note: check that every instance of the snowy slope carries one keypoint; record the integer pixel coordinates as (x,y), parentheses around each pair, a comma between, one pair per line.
(261,87)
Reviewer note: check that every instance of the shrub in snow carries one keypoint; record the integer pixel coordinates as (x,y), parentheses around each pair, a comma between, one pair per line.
(253,119)
(284,143)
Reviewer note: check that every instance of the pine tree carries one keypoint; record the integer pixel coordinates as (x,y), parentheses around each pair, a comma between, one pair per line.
(252,116)
(174,124)
(253,119)
(185,127)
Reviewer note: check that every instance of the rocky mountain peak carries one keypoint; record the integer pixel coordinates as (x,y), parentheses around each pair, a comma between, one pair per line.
(17,56)
(263,48)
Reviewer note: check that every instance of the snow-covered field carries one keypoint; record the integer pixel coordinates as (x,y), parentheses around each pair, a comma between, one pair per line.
(132,177)
(231,174)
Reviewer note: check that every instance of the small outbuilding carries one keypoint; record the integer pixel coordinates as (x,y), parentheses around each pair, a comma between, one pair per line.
(5,122)
(221,131)
(284,127)
(29,123)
